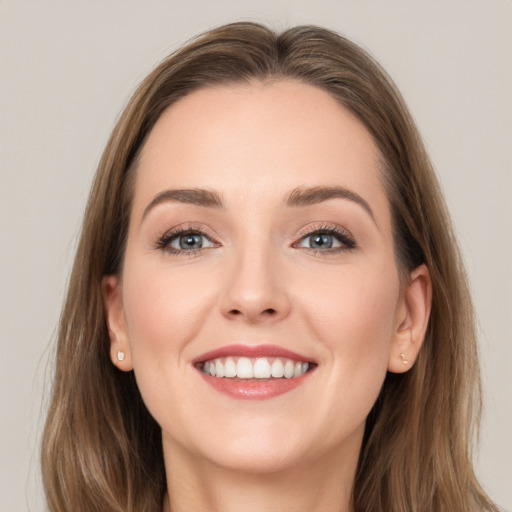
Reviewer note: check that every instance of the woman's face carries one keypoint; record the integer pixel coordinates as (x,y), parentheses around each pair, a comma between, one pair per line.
(260,239)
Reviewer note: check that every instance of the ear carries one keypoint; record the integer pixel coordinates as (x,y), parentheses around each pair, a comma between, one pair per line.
(120,353)
(412,321)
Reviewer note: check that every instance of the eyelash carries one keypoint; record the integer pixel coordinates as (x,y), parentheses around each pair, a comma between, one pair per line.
(342,236)
(163,242)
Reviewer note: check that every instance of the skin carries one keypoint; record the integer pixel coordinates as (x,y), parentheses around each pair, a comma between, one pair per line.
(257,280)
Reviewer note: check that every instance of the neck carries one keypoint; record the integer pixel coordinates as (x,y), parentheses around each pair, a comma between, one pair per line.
(322,485)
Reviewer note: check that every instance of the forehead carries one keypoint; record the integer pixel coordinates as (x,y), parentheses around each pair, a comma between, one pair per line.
(263,138)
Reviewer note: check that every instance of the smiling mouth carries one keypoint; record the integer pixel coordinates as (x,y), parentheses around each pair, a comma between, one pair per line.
(254,368)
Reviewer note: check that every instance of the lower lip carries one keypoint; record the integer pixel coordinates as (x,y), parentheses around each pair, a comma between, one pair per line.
(251,389)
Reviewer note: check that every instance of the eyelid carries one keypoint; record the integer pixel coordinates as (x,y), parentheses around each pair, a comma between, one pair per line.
(342,234)
(163,240)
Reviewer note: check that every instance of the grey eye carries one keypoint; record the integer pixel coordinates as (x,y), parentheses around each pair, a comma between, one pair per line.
(190,242)
(320,241)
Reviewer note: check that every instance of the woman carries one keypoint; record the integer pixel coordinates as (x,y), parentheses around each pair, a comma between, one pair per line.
(267,307)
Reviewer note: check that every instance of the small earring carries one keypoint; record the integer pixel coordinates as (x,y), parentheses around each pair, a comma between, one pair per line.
(404,359)
(120,356)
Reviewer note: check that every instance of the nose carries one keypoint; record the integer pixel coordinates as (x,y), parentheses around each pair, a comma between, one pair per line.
(256,289)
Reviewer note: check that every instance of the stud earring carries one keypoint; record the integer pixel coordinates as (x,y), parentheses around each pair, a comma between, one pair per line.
(404,359)
(120,356)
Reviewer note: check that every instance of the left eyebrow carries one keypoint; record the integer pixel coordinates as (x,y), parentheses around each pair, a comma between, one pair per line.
(305,196)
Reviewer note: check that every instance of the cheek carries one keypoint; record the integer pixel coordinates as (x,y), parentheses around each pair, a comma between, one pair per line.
(355,318)
(356,307)
(164,310)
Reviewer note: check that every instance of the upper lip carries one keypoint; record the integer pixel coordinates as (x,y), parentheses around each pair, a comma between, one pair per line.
(240,350)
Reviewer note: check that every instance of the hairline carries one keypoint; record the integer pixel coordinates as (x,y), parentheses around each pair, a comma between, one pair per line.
(383,166)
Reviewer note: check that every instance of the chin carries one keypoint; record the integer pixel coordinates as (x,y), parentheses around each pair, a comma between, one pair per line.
(257,459)
(269,446)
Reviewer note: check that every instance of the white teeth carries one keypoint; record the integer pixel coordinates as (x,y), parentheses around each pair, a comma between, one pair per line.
(244,369)
(229,368)
(262,369)
(289,369)
(257,368)
(219,369)
(277,368)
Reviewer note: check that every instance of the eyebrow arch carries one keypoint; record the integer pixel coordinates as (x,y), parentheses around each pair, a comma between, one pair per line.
(196,196)
(305,196)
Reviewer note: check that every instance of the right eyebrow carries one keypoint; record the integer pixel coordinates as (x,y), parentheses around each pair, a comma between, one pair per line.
(196,196)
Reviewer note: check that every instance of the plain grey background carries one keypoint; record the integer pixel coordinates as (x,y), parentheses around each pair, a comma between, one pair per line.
(68,67)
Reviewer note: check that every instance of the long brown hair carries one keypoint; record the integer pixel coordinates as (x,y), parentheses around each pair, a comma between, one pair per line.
(101,448)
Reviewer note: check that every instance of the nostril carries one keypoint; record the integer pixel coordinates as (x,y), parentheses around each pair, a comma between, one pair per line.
(266,312)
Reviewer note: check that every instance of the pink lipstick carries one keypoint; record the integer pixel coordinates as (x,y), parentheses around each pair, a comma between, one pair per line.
(253,372)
